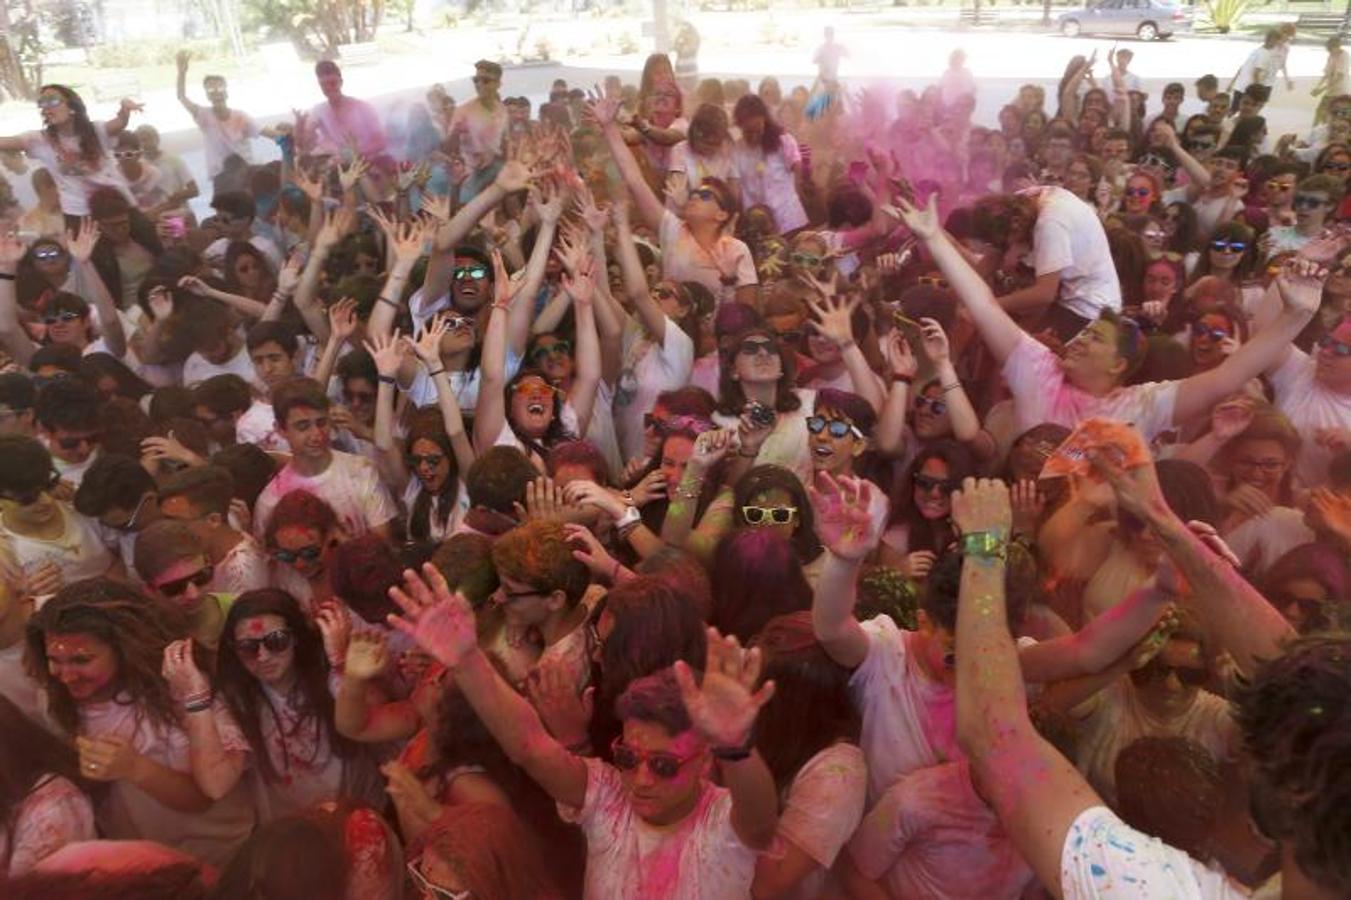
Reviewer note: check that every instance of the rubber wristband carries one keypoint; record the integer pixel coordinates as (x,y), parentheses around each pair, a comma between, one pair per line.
(386,379)
(985,545)
(955,386)
(903,379)
(5,276)
(387,302)
(433,374)
(734,754)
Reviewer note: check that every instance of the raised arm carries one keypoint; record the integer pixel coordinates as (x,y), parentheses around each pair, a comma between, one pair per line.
(248,306)
(1034,790)
(849,522)
(442,623)
(13,338)
(337,223)
(834,315)
(491,412)
(215,769)
(586,380)
(81,245)
(353,714)
(405,241)
(889,435)
(427,350)
(1198,175)
(548,205)
(635,278)
(604,110)
(183,59)
(966,425)
(1301,289)
(1000,333)
(388,352)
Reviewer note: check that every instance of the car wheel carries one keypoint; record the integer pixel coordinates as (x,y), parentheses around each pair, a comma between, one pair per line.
(1147,31)
(1070,28)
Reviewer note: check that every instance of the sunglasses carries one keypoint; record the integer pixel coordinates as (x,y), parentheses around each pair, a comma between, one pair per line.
(752,347)
(933,404)
(806,260)
(1276,186)
(1335,347)
(1309,201)
(1203,331)
(1223,246)
(661,764)
(430,460)
(29,496)
(1156,671)
(837,428)
(666,293)
(557,348)
(278,641)
(426,886)
(201,578)
(126,154)
(50,102)
(1269,466)
(54,318)
(460,273)
(757,516)
(79,440)
(456,323)
(535,390)
(135,514)
(307,554)
(1337,167)
(928,484)
(937,281)
(46,254)
(1138,192)
(793,336)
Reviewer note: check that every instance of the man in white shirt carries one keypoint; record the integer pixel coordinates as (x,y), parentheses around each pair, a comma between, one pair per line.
(347,483)
(234,221)
(1314,392)
(227,132)
(200,498)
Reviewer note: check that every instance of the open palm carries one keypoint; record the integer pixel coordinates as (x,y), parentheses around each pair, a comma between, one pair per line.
(724,704)
(439,620)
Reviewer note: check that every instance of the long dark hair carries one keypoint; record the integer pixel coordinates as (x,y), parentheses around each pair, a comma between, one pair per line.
(244,694)
(924,534)
(768,477)
(556,431)
(33,287)
(756,576)
(731,398)
(749,106)
(427,426)
(136,630)
(811,708)
(30,756)
(91,151)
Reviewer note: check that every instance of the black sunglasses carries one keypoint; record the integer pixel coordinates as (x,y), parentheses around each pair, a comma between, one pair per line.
(663,765)
(430,460)
(934,404)
(276,642)
(308,554)
(71,443)
(557,348)
(29,496)
(201,578)
(1220,245)
(61,317)
(751,347)
(929,484)
(460,273)
(1309,201)
(838,428)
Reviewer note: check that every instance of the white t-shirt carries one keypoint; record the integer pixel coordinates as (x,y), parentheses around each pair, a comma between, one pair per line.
(258,425)
(244,568)
(311,773)
(1309,406)
(225,137)
(20,689)
(770,179)
(908,719)
(699,858)
(823,807)
(1261,540)
(79,551)
(1068,238)
(696,168)
(648,369)
(1041,393)
(196,369)
(682,259)
(787,444)
(931,836)
(76,178)
(1106,859)
(53,814)
(350,485)
(422,390)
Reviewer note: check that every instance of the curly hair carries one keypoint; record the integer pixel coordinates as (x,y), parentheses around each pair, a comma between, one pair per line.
(1295,717)
(136,630)
(756,576)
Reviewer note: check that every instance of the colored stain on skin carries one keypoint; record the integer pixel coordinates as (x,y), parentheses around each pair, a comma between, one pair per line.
(254,628)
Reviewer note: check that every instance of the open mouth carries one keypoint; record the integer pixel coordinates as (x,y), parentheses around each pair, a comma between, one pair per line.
(535,409)
(821,451)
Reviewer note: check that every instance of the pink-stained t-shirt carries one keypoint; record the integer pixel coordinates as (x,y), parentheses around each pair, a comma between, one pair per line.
(700,858)
(54,813)
(351,121)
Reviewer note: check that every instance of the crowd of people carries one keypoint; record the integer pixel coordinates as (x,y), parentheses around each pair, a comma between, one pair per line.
(684,489)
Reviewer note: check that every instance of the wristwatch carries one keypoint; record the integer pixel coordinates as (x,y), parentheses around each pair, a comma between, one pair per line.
(630,519)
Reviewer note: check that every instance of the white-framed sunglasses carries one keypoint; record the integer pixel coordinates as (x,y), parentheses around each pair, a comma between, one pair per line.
(429,889)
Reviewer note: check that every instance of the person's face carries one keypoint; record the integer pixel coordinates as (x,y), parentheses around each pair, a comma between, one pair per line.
(469,287)
(73,446)
(430,464)
(1017,149)
(532,405)
(655,799)
(931,414)
(272,363)
(668,298)
(1092,354)
(308,431)
(219,350)
(757,362)
(932,489)
(233,227)
(1139,196)
(202,524)
(1217,107)
(1160,283)
(67,327)
(1332,363)
(116,229)
(51,260)
(15,421)
(183,584)
(1279,190)
(704,205)
(1247,106)
(1028,99)
(460,335)
(1207,340)
(222,427)
(54,109)
(1057,152)
(821,348)
(939,649)
(1301,600)
(248,271)
(1172,100)
(486,85)
(553,356)
(1115,150)
(129,163)
(216,91)
(675,453)
(330,84)
(834,442)
(752,129)
(359,395)
(1261,463)
(1079,179)
(33,507)
(774,499)
(365,264)
(302,548)
(1226,253)
(266,648)
(523,604)
(1312,209)
(1172,679)
(85,665)
(1337,164)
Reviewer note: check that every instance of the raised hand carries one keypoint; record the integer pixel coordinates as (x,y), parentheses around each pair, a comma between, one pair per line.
(335,626)
(543,500)
(502,287)
(710,447)
(388,352)
(337,224)
(1231,418)
(439,620)
(182,58)
(651,487)
(594,216)
(935,341)
(129,106)
(723,705)
(436,206)
(406,240)
(410,797)
(590,552)
(11,251)
(1137,490)
(169,447)
(342,319)
(1300,285)
(81,243)
(310,187)
(411,175)
(581,286)
(288,277)
(367,655)
(350,174)
(602,110)
(918,565)
(900,358)
(833,314)
(849,516)
(180,670)
(547,199)
(982,505)
(1028,504)
(588,493)
(923,223)
(427,347)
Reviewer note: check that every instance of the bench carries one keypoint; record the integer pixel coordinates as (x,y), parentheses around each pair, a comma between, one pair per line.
(359,54)
(1322,23)
(115,87)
